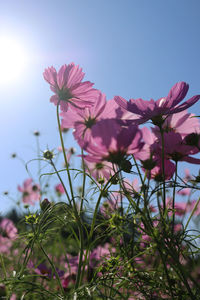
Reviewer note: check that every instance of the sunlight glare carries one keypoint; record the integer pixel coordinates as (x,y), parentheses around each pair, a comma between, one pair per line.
(13,60)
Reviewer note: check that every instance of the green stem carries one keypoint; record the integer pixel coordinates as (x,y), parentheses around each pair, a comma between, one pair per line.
(38,153)
(142,181)
(93,223)
(173,201)
(192,213)
(73,200)
(79,275)
(52,163)
(163,168)
(53,267)
(3,266)
(64,154)
(84,181)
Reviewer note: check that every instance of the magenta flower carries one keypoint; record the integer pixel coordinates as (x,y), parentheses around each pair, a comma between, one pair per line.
(176,149)
(182,122)
(82,120)
(59,189)
(30,192)
(151,146)
(144,110)
(68,87)
(156,172)
(113,143)
(100,253)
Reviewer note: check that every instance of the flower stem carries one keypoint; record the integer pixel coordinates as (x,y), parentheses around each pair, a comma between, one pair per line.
(163,168)
(173,201)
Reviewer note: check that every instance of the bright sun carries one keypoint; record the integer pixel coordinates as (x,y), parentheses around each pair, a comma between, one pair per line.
(13,60)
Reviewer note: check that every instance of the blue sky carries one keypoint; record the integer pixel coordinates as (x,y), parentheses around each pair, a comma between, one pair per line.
(132,48)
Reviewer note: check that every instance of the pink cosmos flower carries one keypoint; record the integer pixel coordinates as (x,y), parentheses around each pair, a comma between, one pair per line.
(150,157)
(100,253)
(156,173)
(131,187)
(5,244)
(184,192)
(59,189)
(82,120)
(155,110)
(150,148)
(111,205)
(177,150)
(68,87)
(8,228)
(30,192)
(68,152)
(112,142)
(192,205)
(8,232)
(183,123)
(100,170)
(181,208)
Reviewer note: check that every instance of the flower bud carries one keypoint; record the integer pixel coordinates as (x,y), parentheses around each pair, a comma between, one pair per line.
(36,133)
(45,204)
(47,154)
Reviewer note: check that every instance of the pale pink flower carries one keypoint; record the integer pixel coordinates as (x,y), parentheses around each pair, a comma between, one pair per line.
(59,189)
(68,152)
(131,187)
(180,208)
(30,192)
(187,175)
(8,228)
(191,206)
(68,87)
(100,170)
(144,110)
(8,233)
(111,205)
(184,192)
(5,244)
(178,227)
(100,253)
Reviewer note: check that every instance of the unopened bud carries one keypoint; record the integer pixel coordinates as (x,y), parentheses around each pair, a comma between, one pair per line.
(47,154)
(36,133)
(45,204)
